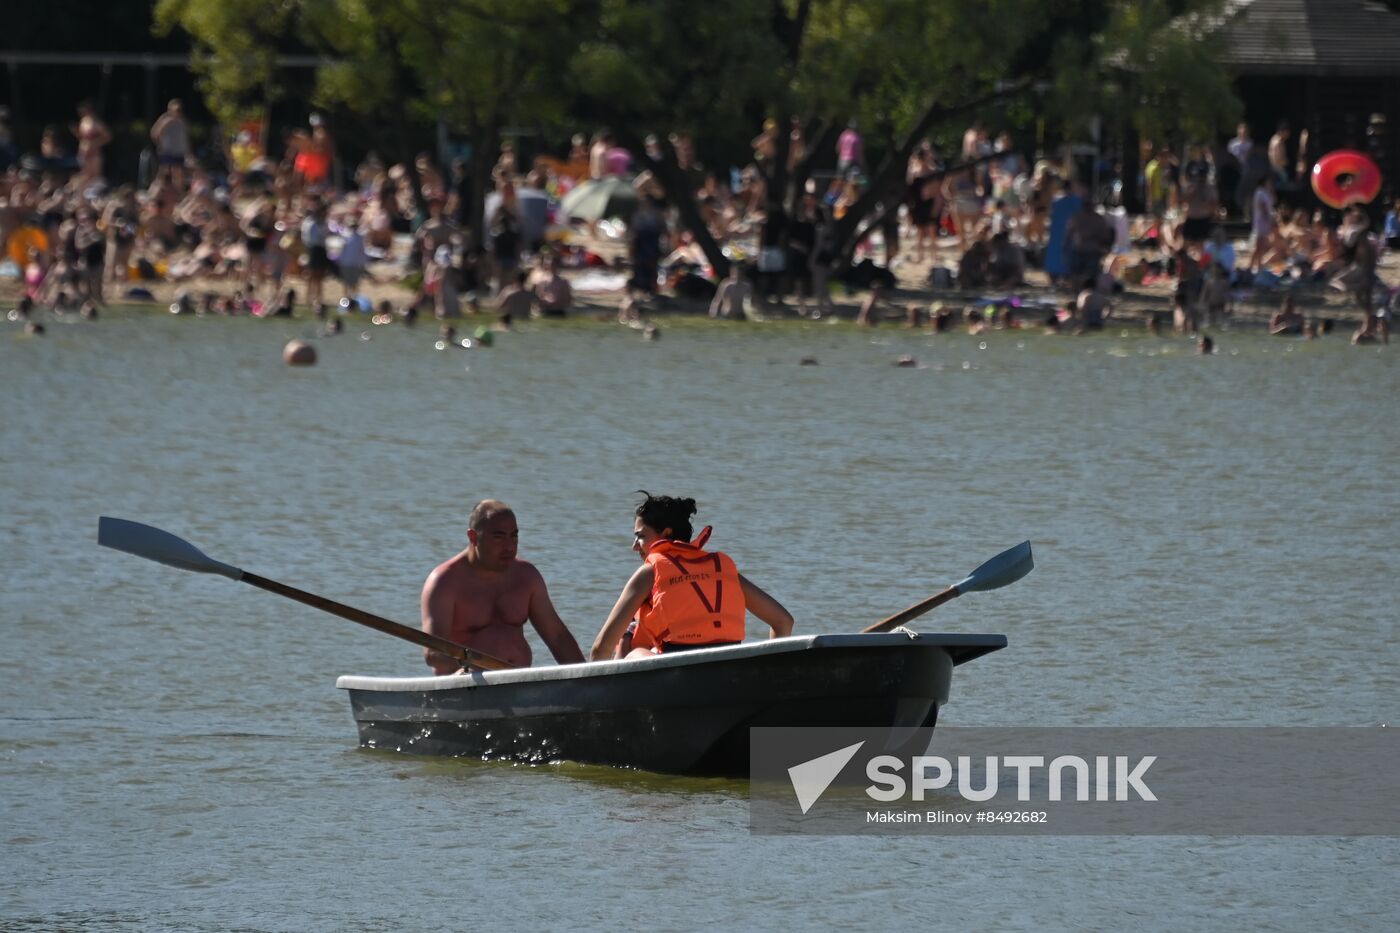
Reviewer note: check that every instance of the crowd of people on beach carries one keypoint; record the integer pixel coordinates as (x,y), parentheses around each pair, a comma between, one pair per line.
(243,230)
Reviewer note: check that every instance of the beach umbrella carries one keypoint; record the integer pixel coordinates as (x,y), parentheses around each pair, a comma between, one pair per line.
(596,200)
(531,209)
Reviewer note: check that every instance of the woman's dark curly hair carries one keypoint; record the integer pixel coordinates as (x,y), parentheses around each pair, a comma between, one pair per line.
(662,512)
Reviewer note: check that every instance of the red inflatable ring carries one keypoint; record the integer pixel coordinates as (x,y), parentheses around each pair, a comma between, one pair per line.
(1346,177)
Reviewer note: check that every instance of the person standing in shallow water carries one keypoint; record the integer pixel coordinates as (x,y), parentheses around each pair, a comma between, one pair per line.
(551,290)
(682,596)
(1358,251)
(482,597)
(515,300)
(314,233)
(732,296)
(1062,209)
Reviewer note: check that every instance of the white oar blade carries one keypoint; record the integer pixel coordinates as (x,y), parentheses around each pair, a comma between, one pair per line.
(1006,568)
(160,546)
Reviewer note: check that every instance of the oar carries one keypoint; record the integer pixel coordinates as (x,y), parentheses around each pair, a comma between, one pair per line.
(165,548)
(1007,567)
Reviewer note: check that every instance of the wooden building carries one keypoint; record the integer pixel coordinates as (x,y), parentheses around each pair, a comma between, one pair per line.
(1329,66)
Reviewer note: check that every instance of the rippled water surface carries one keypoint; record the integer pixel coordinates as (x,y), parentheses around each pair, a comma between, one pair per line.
(1214,545)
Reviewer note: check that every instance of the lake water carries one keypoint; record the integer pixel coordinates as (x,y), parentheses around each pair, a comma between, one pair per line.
(1214,545)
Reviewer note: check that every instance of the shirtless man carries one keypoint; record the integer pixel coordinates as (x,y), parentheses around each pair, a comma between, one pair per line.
(1287,321)
(866,316)
(1202,205)
(552,290)
(172,141)
(92,134)
(515,300)
(1278,154)
(733,294)
(482,597)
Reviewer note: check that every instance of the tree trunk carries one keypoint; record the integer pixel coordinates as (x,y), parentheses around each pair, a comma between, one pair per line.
(679,193)
(894,164)
(777,206)
(484,153)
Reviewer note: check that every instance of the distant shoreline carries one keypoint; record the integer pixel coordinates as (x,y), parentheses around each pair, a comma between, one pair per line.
(1136,304)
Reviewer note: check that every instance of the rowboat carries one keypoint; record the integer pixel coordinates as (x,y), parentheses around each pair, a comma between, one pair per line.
(684,713)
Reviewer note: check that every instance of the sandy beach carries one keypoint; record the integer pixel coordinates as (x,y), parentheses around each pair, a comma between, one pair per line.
(1135,304)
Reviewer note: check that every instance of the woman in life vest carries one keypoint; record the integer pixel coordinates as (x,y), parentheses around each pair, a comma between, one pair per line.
(682,596)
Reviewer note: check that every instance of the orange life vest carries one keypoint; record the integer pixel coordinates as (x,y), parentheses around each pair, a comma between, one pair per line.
(640,629)
(696,598)
(639,634)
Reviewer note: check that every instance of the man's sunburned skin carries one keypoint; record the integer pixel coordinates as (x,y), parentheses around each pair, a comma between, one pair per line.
(482,598)
(489,612)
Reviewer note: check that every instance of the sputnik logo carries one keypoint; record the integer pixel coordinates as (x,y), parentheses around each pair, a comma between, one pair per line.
(811,778)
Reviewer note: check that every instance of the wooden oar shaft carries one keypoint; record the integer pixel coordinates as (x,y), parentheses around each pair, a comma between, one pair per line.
(378,623)
(913,612)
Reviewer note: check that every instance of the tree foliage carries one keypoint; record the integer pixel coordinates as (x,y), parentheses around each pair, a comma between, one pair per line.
(472,65)
(905,69)
(1165,77)
(237,43)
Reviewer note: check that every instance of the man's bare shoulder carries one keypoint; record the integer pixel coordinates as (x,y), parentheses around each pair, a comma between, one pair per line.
(448,569)
(525,573)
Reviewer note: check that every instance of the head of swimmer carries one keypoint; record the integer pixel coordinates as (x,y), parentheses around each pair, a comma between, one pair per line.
(661,517)
(493,534)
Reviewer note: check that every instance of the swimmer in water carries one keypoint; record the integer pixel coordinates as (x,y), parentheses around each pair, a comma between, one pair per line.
(866,317)
(976,320)
(448,340)
(20,312)
(1287,321)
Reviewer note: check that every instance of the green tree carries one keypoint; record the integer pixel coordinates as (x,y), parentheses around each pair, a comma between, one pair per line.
(1164,76)
(236,46)
(402,65)
(476,66)
(905,69)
